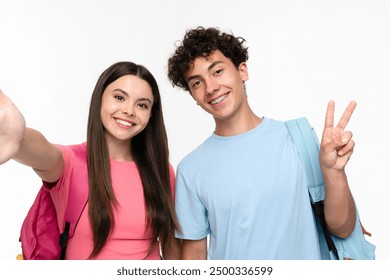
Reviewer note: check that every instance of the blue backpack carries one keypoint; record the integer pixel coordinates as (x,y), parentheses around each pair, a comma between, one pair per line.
(355,246)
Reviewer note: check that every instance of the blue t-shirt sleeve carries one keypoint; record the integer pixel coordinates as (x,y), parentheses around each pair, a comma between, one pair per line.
(191,213)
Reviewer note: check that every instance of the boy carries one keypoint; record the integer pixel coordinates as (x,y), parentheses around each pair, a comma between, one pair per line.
(245,185)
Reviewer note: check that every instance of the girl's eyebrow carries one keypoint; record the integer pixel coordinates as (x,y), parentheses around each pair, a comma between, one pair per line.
(122,91)
(145,99)
(139,99)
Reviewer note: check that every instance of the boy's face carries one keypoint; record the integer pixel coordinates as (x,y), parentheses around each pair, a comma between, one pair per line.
(217,85)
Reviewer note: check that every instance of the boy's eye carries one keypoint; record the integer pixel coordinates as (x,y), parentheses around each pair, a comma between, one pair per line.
(218,71)
(195,84)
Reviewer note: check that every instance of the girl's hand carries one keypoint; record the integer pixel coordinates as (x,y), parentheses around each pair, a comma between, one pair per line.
(12,127)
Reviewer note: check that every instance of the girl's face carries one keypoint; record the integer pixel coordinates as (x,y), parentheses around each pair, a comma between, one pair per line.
(126,108)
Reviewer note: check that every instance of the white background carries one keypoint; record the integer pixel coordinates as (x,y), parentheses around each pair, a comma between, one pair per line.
(301,54)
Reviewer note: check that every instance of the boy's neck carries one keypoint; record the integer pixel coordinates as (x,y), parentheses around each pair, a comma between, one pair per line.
(237,125)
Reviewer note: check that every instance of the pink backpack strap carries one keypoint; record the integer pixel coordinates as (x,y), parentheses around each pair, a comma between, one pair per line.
(77,198)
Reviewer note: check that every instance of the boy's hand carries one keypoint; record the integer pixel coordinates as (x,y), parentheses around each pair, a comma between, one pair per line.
(336,144)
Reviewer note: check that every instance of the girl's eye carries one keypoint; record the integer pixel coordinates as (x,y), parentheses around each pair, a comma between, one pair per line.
(119,97)
(143,105)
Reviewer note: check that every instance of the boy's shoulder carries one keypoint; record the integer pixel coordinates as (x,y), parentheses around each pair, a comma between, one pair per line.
(212,143)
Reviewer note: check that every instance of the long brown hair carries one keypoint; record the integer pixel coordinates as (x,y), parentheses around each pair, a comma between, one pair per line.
(150,152)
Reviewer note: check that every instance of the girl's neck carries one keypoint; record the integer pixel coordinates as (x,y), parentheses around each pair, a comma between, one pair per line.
(119,150)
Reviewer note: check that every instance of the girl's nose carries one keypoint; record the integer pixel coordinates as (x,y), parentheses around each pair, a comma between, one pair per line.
(129,111)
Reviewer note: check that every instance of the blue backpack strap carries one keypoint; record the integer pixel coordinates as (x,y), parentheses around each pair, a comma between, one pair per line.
(308,149)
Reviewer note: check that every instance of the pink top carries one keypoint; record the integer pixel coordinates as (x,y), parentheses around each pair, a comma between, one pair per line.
(129,239)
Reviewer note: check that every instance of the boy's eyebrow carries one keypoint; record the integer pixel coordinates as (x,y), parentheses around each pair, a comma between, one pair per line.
(208,68)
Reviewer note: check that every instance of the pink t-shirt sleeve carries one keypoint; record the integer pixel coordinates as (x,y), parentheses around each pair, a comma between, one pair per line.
(59,191)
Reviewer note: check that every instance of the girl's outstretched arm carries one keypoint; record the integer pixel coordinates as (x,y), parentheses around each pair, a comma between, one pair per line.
(25,145)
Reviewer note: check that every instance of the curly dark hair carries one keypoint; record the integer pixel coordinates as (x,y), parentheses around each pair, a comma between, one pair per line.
(200,42)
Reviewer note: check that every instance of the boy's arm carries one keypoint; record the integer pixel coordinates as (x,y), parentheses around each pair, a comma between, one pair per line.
(194,249)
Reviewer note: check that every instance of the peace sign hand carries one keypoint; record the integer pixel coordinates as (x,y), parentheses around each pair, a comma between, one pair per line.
(336,144)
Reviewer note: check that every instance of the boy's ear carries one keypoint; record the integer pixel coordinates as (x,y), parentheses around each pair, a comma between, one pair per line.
(243,69)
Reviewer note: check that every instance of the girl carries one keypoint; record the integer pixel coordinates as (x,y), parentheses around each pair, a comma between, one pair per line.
(129,213)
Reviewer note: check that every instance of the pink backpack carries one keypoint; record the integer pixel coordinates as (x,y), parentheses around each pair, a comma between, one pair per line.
(40,236)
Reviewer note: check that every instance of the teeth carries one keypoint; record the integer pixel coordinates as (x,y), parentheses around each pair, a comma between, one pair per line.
(218,100)
(124,123)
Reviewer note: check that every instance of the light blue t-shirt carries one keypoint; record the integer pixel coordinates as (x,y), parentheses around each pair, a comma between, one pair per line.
(248,193)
